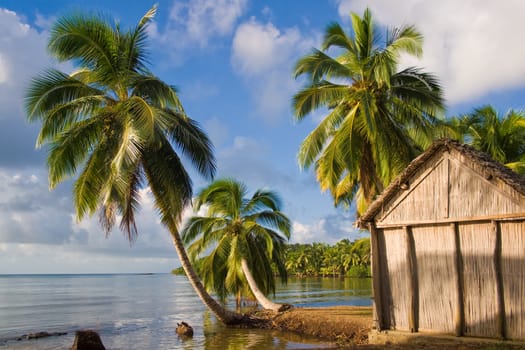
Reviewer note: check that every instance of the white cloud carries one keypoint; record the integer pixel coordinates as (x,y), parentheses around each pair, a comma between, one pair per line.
(40,258)
(38,224)
(194,24)
(471,45)
(258,48)
(203,19)
(4,70)
(22,56)
(264,55)
(329,229)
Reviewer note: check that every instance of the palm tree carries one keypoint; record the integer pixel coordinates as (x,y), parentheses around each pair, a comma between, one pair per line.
(378,117)
(503,137)
(246,236)
(118,127)
(361,248)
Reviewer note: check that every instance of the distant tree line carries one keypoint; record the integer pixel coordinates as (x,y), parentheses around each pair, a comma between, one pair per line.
(343,259)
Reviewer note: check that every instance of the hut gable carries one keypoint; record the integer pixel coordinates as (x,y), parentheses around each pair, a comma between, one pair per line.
(450,182)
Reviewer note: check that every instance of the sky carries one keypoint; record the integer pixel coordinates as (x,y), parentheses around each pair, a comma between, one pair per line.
(232,62)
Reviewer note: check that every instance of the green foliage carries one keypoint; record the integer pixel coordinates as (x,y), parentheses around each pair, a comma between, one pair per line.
(237,227)
(359,271)
(178,271)
(502,137)
(320,259)
(373,108)
(114,125)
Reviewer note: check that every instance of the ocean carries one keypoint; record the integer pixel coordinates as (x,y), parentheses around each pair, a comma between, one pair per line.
(141,311)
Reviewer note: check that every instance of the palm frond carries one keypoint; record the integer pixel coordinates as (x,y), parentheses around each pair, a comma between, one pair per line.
(405,40)
(86,39)
(313,144)
(336,36)
(131,204)
(156,92)
(318,66)
(52,88)
(321,94)
(164,169)
(71,148)
(88,186)
(192,141)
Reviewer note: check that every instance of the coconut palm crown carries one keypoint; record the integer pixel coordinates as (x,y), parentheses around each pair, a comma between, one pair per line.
(245,234)
(117,128)
(377,115)
(501,136)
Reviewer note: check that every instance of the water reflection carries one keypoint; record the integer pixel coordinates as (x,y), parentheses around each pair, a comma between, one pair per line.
(222,338)
(319,291)
(146,315)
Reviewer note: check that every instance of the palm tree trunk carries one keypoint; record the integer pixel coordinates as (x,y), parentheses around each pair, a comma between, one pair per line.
(225,316)
(261,298)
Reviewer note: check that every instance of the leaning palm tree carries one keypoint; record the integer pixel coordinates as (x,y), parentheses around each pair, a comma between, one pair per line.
(503,137)
(118,127)
(378,118)
(245,236)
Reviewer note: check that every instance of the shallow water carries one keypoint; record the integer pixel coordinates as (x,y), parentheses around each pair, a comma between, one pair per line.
(142,311)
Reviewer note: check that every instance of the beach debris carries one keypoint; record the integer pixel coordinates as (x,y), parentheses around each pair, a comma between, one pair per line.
(38,335)
(87,340)
(184,330)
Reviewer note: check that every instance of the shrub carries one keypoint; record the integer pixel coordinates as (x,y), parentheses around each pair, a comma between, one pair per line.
(358,271)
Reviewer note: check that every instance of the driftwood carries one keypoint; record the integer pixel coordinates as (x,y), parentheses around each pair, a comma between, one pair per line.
(184,330)
(87,340)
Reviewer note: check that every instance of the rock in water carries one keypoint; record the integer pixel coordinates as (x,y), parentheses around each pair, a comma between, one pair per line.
(183,329)
(87,340)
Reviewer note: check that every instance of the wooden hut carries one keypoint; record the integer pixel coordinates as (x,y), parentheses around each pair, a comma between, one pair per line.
(448,246)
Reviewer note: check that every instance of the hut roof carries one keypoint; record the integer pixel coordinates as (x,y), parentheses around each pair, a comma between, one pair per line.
(492,167)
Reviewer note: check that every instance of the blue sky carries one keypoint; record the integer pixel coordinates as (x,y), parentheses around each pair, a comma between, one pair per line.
(232,62)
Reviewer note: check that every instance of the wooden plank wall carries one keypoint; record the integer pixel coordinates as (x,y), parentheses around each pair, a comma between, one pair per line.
(398,275)
(480,293)
(435,254)
(466,278)
(513,272)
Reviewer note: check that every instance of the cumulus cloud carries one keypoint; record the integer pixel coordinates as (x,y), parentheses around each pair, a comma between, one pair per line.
(264,56)
(22,56)
(30,213)
(38,258)
(470,45)
(38,224)
(194,24)
(329,229)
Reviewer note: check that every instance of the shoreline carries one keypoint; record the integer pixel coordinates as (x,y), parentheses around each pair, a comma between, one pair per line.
(348,327)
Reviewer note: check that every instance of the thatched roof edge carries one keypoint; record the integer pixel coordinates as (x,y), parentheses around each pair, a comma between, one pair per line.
(494,168)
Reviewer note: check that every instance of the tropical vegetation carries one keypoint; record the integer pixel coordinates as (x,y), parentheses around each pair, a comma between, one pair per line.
(378,117)
(119,128)
(116,128)
(501,136)
(342,259)
(239,239)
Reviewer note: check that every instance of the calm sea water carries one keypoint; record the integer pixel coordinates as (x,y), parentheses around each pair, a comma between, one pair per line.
(142,311)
